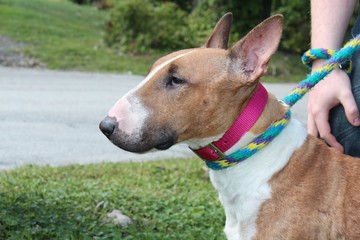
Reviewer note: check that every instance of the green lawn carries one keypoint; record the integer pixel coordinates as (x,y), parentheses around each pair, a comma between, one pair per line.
(70,37)
(65,36)
(166,200)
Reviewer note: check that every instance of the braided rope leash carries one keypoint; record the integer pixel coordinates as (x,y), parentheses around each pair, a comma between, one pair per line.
(336,59)
(322,53)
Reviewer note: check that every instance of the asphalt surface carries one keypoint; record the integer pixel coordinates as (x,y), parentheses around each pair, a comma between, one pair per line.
(52,117)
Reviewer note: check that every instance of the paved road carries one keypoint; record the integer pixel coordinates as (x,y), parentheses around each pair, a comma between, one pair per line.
(52,117)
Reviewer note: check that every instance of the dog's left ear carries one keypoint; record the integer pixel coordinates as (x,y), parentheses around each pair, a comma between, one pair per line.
(220,36)
(251,54)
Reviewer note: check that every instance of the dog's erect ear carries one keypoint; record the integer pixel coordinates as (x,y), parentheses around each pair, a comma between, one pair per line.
(220,36)
(252,53)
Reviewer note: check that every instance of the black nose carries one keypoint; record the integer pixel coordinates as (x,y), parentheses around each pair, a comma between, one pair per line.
(107,126)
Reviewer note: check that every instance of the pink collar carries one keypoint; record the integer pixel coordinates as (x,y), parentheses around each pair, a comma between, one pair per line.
(244,122)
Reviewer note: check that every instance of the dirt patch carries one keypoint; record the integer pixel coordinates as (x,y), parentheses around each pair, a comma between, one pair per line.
(12,55)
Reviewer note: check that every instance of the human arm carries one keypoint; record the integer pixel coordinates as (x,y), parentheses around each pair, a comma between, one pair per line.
(329,21)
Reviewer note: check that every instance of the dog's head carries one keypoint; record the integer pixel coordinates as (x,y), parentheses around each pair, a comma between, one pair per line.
(193,93)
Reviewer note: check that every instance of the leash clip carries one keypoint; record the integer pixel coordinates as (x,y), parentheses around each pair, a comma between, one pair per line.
(284,104)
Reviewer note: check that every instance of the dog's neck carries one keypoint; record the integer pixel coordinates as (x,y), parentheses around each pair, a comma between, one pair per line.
(270,110)
(243,188)
(244,122)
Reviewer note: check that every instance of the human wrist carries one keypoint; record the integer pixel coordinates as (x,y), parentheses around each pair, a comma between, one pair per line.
(317,63)
(317,57)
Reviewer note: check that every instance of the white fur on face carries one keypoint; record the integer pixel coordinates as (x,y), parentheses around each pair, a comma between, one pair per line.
(129,111)
(159,67)
(130,114)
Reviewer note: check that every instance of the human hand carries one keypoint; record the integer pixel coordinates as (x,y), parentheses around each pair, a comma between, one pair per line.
(335,89)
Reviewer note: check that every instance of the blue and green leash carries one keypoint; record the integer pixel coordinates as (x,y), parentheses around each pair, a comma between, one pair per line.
(335,59)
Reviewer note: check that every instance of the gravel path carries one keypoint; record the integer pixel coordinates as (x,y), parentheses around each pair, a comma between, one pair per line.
(11,55)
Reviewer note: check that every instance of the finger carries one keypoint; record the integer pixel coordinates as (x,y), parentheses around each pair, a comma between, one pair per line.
(351,109)
(331,140)
(311,126)
(322,123)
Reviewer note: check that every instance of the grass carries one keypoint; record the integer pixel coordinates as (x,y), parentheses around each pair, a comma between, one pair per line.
(165,199)
(65,36)
(70,37)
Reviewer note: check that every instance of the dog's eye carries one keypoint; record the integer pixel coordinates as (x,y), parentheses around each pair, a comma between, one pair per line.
(174,81)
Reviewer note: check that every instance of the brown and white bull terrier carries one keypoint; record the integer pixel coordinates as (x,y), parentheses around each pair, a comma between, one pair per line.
(295,188)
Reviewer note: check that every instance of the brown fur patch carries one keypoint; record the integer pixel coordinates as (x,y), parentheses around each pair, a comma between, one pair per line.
(316,196)
(272,111)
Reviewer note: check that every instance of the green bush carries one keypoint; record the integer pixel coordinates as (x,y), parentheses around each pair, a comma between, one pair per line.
(142,26)
(201,21)
(200,24)
(296,33)
(139,26)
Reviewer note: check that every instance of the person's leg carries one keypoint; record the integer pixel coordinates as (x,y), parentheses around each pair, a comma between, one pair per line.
(345,133)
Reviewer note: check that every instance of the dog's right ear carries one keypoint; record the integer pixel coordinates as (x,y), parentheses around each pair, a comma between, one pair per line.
(252,53)
(219,38)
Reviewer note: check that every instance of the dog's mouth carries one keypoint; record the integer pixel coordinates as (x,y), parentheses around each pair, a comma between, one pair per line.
(143,141)
(127,143)
(167,144)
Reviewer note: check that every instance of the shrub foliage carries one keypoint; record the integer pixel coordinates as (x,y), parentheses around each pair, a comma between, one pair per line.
(140,26)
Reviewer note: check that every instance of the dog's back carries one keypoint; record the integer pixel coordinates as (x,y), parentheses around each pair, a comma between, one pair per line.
(316,196)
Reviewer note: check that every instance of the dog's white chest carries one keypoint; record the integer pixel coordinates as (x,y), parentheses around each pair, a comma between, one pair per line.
(244,187)
(241,200)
